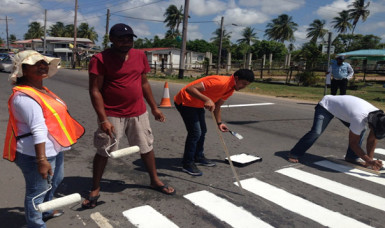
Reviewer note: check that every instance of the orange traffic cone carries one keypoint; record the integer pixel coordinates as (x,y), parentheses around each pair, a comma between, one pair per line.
(165,103)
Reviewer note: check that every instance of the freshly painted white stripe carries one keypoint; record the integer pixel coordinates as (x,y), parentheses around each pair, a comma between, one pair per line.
(299,205)
(225,211)
(245,105)
(352,171)
(101,221)
(357,195)
(147,217)
(379,151)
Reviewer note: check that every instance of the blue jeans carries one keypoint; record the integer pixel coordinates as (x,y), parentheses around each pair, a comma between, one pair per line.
(322,118)
(35,185)
(194,120)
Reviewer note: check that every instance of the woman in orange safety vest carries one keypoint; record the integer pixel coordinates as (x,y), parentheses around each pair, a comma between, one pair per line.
(39,130)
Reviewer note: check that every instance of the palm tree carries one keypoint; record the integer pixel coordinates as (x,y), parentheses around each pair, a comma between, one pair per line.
(57,30)
(249,37)
(173,19)
(35,30)
(226,36)
(342,22)
(84,31)
(281,29)
(360,10)
(316,30)
(69,30)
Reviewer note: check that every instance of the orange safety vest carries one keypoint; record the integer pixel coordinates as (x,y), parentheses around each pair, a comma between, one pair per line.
(63,128)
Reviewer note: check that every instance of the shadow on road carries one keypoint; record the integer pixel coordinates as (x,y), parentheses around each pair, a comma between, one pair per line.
(12,217)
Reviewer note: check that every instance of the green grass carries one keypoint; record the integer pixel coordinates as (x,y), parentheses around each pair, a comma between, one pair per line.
(373,92)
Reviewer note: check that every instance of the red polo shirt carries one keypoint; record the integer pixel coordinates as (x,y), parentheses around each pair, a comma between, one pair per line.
(122,86)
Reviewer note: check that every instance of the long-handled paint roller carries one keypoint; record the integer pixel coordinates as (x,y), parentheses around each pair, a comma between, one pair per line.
(56,203)
(122,152)
(226,150)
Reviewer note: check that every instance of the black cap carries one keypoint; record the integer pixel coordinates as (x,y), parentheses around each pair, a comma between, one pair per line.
(121,30)
(341,57)
(376,120)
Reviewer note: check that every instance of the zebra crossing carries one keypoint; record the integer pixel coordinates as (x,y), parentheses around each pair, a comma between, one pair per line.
(236,216)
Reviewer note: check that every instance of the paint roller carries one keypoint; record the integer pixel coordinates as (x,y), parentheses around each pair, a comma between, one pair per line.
(226,151)
(56,203)
(122,152)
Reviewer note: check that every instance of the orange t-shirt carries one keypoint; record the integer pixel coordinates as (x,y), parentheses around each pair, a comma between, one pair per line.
(216,87)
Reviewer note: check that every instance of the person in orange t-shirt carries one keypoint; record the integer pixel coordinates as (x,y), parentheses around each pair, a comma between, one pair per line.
(209,92)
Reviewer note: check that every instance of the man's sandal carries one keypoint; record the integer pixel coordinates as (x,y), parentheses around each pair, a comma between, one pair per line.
(92,202)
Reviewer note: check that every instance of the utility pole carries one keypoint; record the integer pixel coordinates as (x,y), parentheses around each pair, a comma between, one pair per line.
(220,45)
(107,27)
(74,50)
(184,36)
(328,53)
(6,28)
(45,32)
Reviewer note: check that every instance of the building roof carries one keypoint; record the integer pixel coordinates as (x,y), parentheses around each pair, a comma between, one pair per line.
(156,49)
(68,39)
(370,54)
(27,41)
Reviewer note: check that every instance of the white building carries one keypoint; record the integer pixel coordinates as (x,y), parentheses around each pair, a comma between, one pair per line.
(171,58)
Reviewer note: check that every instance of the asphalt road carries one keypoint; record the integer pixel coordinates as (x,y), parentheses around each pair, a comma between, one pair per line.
(269,131)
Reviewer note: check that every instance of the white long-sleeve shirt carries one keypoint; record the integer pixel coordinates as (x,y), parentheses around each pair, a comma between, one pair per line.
(30,119)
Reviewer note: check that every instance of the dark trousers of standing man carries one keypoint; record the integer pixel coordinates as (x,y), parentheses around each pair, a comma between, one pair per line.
(342,84)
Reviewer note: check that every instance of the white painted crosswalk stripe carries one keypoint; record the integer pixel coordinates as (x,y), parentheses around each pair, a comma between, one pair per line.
(224,210)
(379,151)
(245,105)
(299,205)
(147,217)
(335,187)
(351,171)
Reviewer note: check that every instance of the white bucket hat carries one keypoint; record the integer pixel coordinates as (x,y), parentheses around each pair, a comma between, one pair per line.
(31,57)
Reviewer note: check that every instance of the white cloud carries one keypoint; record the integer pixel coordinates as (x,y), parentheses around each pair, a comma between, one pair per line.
(328,12)
(206,7)
(193,32)
(242,17)
(300,35)
(273,6)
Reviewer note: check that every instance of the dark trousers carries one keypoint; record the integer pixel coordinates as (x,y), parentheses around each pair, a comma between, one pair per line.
(341,84)
(194,120)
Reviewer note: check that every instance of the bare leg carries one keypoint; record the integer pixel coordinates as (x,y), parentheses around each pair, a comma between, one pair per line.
(99,165)
(293,160)
(149,162)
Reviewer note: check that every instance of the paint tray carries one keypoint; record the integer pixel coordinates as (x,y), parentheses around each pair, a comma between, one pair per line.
(243,159)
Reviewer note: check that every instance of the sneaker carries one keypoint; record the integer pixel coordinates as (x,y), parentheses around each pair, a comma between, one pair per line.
(192,170)
(205,162)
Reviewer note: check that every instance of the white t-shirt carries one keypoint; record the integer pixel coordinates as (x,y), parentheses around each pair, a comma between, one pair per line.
(350,109)
(30,119)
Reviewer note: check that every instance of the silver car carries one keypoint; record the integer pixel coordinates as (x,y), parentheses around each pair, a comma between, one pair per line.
(6,64)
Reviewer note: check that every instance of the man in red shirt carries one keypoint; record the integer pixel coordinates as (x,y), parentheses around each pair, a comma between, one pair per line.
(117,86)
(210,93)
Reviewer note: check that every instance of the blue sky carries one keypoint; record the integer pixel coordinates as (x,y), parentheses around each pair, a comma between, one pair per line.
(146,16)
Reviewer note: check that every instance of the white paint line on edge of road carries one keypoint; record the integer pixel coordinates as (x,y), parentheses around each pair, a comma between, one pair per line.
(334,187)
(245,105)
(379,151)
(147,217)
(233,215)
(352,171)
(299,205)
(101,221)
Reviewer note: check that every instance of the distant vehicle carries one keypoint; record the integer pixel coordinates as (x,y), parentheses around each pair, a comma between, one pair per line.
(6,64)
(3,56)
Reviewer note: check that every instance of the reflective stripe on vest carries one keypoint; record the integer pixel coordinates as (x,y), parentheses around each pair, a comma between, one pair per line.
(63,128)
(53,112)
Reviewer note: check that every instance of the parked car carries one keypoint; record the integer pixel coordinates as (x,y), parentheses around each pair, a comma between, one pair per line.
(6,64)
(3,56)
